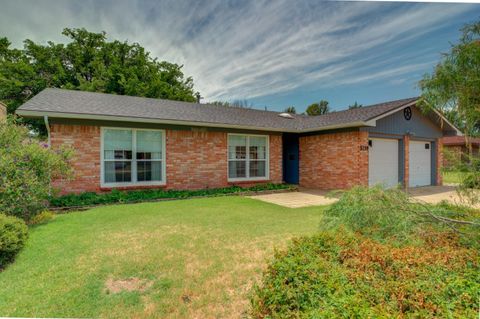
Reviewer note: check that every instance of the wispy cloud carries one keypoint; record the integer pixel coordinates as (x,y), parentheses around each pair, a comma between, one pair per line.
(251,48)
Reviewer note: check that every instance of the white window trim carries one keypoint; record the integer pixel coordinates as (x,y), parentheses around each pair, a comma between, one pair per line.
(103,184)
(247,160)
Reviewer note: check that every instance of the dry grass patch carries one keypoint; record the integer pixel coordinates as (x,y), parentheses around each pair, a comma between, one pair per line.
(116,286)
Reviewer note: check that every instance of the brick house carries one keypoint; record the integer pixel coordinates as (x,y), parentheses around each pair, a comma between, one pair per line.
(130,142)
(457,148)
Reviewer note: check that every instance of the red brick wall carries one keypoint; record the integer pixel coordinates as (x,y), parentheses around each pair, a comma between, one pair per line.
(85,141)
(334,161)
(194,159)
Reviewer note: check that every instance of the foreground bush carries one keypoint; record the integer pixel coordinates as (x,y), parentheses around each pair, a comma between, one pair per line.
(379,255)
(13,235)
(345,275)
(468,168)
(116,196)
(42,218)
(390,214)
(26,171)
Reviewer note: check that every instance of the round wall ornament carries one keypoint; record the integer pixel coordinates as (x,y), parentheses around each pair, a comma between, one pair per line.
(407,113)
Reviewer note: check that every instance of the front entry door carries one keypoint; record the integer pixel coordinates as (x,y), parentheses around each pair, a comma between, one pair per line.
(290,158)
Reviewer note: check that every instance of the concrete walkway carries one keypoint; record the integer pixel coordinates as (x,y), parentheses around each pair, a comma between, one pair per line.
(314,197)
(303,198)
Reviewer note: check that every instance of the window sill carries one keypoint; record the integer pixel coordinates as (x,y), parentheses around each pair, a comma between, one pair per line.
(132,185)
(247,180)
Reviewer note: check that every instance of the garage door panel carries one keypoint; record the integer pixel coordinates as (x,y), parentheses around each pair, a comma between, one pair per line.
(420,163)
(383,162)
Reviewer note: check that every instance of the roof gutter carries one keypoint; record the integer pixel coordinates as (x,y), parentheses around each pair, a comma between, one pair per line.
(29,113)
(45,115)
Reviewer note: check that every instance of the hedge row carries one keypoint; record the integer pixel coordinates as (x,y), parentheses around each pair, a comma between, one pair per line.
(116,196)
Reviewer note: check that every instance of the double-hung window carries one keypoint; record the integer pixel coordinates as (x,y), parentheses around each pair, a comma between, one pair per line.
(247,157)
(133,157)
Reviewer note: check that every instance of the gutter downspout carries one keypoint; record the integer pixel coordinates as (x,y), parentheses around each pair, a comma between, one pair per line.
(45,119)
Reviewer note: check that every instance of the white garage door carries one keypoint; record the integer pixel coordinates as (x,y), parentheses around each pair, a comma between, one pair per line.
(383,162)
(420,162)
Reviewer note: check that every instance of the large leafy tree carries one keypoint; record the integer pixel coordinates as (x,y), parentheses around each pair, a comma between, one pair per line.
(319,108)
(88,62)
(454,85)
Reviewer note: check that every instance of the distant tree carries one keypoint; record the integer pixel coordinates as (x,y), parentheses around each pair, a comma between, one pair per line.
(220,103)
(235,103)
(242,103)
(291,110)
(355,106)
(319,108)
(89,63)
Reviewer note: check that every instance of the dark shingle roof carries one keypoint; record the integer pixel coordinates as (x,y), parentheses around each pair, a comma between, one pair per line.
(78,104)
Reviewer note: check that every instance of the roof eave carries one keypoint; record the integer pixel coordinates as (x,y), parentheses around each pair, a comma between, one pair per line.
(41,114)
(336,126)
(31,113)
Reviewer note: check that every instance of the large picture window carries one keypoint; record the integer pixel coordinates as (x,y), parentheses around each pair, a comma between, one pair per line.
(247,157)
(133,156)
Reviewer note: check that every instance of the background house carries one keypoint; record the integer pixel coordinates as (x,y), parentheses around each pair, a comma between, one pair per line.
(457,148)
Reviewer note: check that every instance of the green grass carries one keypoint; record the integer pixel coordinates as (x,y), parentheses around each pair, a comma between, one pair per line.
(202,256)
(452,177)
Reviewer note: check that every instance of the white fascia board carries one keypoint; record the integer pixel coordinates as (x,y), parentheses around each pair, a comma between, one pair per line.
(448,122)
(143,120)
(337,126)
(30,113)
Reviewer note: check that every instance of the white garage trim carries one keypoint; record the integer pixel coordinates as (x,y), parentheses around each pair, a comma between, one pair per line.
(419,163)
(383,162)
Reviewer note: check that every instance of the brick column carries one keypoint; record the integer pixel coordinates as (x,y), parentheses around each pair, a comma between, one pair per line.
(439,158)
(406,147)
(363,158)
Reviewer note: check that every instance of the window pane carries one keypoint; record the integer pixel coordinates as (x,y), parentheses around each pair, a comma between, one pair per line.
(118,172)
(237,169)
(258,147)
(237,147)
(257,169)
(117,144)
(149,144)
(149,171)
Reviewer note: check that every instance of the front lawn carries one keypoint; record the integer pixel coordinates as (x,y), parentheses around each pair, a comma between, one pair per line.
(190,259)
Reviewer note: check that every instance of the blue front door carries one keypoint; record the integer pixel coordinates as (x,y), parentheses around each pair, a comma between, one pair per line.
(290,158)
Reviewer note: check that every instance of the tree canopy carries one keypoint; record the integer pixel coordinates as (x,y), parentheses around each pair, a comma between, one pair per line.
(454,85)
(355,106)
(89,62)
(318,108)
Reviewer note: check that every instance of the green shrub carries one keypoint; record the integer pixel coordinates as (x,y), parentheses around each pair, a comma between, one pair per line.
(42,218)
(13,235)
(26,171)
(116,196)
(338,274)
(390,214)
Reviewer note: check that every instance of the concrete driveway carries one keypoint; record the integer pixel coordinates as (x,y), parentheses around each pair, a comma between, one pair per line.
(314,197)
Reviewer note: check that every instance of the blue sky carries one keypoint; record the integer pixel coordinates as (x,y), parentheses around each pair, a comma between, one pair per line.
(272,53)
